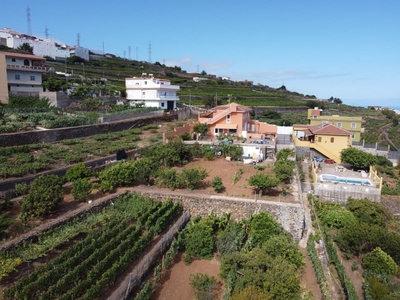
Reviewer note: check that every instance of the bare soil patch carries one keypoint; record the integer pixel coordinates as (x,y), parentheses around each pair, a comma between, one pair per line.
(175,282)
(308,278)
(226,170)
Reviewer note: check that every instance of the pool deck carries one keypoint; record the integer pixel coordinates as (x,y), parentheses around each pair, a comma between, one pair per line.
(341,170)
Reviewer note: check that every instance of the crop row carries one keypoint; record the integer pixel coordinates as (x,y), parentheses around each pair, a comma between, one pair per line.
(344,279)
(59,266)
(100,257)
(319,271)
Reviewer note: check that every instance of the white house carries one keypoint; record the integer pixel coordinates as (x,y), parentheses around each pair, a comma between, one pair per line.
(153,92)
(20,73)
(41,47)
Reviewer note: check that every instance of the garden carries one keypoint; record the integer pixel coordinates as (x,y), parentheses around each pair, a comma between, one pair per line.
(32,113)
(364,261)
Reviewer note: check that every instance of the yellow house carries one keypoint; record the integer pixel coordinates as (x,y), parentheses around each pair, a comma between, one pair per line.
(327,139)
(351,124)
(234,119)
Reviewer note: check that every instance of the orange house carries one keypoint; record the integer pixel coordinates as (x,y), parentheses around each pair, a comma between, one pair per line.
(234,119)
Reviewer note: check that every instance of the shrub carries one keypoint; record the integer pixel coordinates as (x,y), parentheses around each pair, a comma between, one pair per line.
(21,188)
(78,171)
(217,184)
(204,286)
(186,136)
(44,194)
(379,262)
(199,241)
(81,188)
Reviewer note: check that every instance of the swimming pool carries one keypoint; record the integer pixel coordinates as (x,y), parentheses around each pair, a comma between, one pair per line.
(334,178)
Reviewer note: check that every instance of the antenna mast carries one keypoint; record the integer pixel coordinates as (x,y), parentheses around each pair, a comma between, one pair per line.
(129,52)
(28,19)
(149,52)
(46,32)
(78,39)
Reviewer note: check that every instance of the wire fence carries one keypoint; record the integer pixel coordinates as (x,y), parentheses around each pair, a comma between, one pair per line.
(134,279)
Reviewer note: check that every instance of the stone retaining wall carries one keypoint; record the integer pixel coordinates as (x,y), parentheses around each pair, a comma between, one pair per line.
(54,135)
(290,216)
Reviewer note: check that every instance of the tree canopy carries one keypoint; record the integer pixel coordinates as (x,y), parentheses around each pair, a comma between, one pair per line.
(357,158)
(262,182)
(45,192)
(26,47)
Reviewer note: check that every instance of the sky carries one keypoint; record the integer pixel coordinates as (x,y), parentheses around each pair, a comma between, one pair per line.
(344,49)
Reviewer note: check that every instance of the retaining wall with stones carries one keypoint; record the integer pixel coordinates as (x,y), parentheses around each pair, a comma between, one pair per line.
(54,135)
(289,215)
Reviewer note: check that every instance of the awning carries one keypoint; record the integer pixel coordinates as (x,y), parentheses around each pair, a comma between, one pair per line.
(226,126)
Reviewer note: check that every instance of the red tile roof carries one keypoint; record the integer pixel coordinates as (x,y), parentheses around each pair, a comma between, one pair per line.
(29,56)
(234,106)
(324,129)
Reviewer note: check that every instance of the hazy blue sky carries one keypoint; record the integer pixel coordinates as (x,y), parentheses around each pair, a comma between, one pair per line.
(348,49)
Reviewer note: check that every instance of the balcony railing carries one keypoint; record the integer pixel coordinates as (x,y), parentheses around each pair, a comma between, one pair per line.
(27,68)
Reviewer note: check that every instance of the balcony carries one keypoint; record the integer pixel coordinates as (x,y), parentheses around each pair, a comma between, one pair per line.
(167,98)
(26,68)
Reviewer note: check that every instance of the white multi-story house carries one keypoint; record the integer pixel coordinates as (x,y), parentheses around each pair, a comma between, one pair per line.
(41,47)
(20,74)
(153,92)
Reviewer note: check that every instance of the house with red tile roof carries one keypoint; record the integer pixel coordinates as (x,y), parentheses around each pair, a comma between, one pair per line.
(327,139)
(234,119)
(20,74)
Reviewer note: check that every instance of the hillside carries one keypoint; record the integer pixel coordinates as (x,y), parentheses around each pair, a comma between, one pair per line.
(115,70)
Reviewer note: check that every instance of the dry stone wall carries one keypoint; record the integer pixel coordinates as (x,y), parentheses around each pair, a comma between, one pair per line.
(289,215)
(54,135)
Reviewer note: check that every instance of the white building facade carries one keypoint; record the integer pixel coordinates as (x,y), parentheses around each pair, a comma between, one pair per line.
(42,47)
(20,74)
(153,92)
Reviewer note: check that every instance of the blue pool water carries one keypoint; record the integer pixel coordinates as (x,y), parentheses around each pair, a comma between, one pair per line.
(333,178)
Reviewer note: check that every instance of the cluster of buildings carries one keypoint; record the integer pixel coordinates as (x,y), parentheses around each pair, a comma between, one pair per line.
(41,47)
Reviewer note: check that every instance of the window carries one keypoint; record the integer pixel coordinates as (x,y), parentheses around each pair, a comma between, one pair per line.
(353,125)
(144,93)
(339,124)
(26,62)
(353,136)
(13,60)
(332,140)
(32,77)
(319,139)
(162,104)
(145,82)
(228,118)
(17,77)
